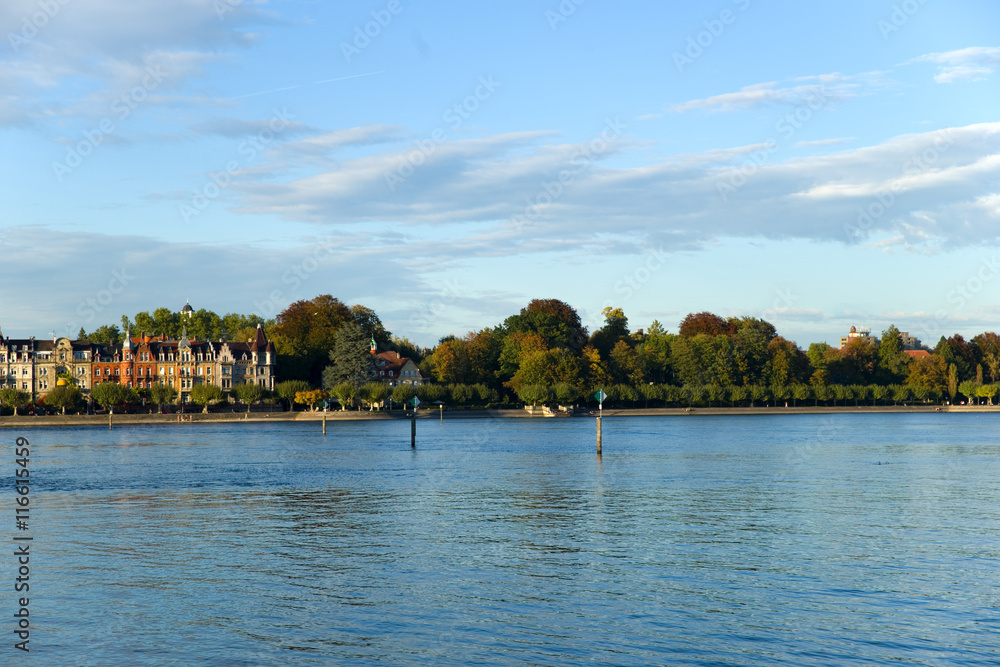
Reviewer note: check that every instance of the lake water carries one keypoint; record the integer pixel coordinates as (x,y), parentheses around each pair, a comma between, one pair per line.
(797,540)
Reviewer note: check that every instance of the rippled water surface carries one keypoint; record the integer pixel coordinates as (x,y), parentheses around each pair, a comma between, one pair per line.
(801,540)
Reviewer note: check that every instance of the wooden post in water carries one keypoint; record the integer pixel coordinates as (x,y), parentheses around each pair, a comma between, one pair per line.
(413,429)
(110,420)
(324,422)
(598,436)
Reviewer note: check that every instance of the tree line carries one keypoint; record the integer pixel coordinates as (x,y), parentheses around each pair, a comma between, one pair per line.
(543,354)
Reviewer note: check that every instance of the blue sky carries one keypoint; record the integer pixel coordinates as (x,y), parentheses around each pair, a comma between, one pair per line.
(816,164)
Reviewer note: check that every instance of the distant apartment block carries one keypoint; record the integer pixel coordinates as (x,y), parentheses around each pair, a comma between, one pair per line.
(140,362)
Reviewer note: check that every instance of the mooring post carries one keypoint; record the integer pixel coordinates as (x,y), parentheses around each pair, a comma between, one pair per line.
(324,422)
(413,429)
(110,420)
(598,436)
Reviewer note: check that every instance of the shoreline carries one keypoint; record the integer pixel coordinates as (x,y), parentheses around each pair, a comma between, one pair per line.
(29,421)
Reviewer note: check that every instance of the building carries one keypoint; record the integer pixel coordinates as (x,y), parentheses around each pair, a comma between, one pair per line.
(140,362)
(864,333)
(395,370)
(909,342)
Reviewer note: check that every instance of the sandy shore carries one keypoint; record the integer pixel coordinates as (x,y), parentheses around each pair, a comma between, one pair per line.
(23,421)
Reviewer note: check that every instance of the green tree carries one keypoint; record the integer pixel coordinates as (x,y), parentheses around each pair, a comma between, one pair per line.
(800,392)
(304,335)
(248,393)
(112,394)
(565,392)
(403,393)
(105,334)
(969,389)
(952,381)
(374,393)
(160,394)
(63,396)
(344,393)
(534,394)
(286,390)
(615,329)
(205,394)
(555,321)
(892,360)
(430,393)
(461,394)
(351,356)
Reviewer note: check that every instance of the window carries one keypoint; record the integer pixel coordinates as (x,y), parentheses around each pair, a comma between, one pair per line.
(117,371)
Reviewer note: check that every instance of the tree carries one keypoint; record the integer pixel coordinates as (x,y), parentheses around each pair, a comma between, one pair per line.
(929,372)
(161,393)
(893,362)
(548,368)
(345,393)
(351,356)
(969,389)
(952,381)
(105,334)
(63,396)
(310,397)
(450,361)
(289,388)
(482,351)
(461,394)
(534,394)
(374,393)
(800,392)
(248,393)
(206,394)
(705,323)
(615,329)
(304,336)
(429,393)
(403,393)
(555,321)
(565,393)
(111,394)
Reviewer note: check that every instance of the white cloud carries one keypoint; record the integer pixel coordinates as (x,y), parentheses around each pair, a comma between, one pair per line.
(971,64)
(935,187)
(105,48)
(770,94)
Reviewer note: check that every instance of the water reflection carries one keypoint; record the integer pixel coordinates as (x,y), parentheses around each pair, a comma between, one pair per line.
(688,542)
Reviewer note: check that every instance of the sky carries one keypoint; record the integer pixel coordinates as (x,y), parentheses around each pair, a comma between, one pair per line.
(820,165)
